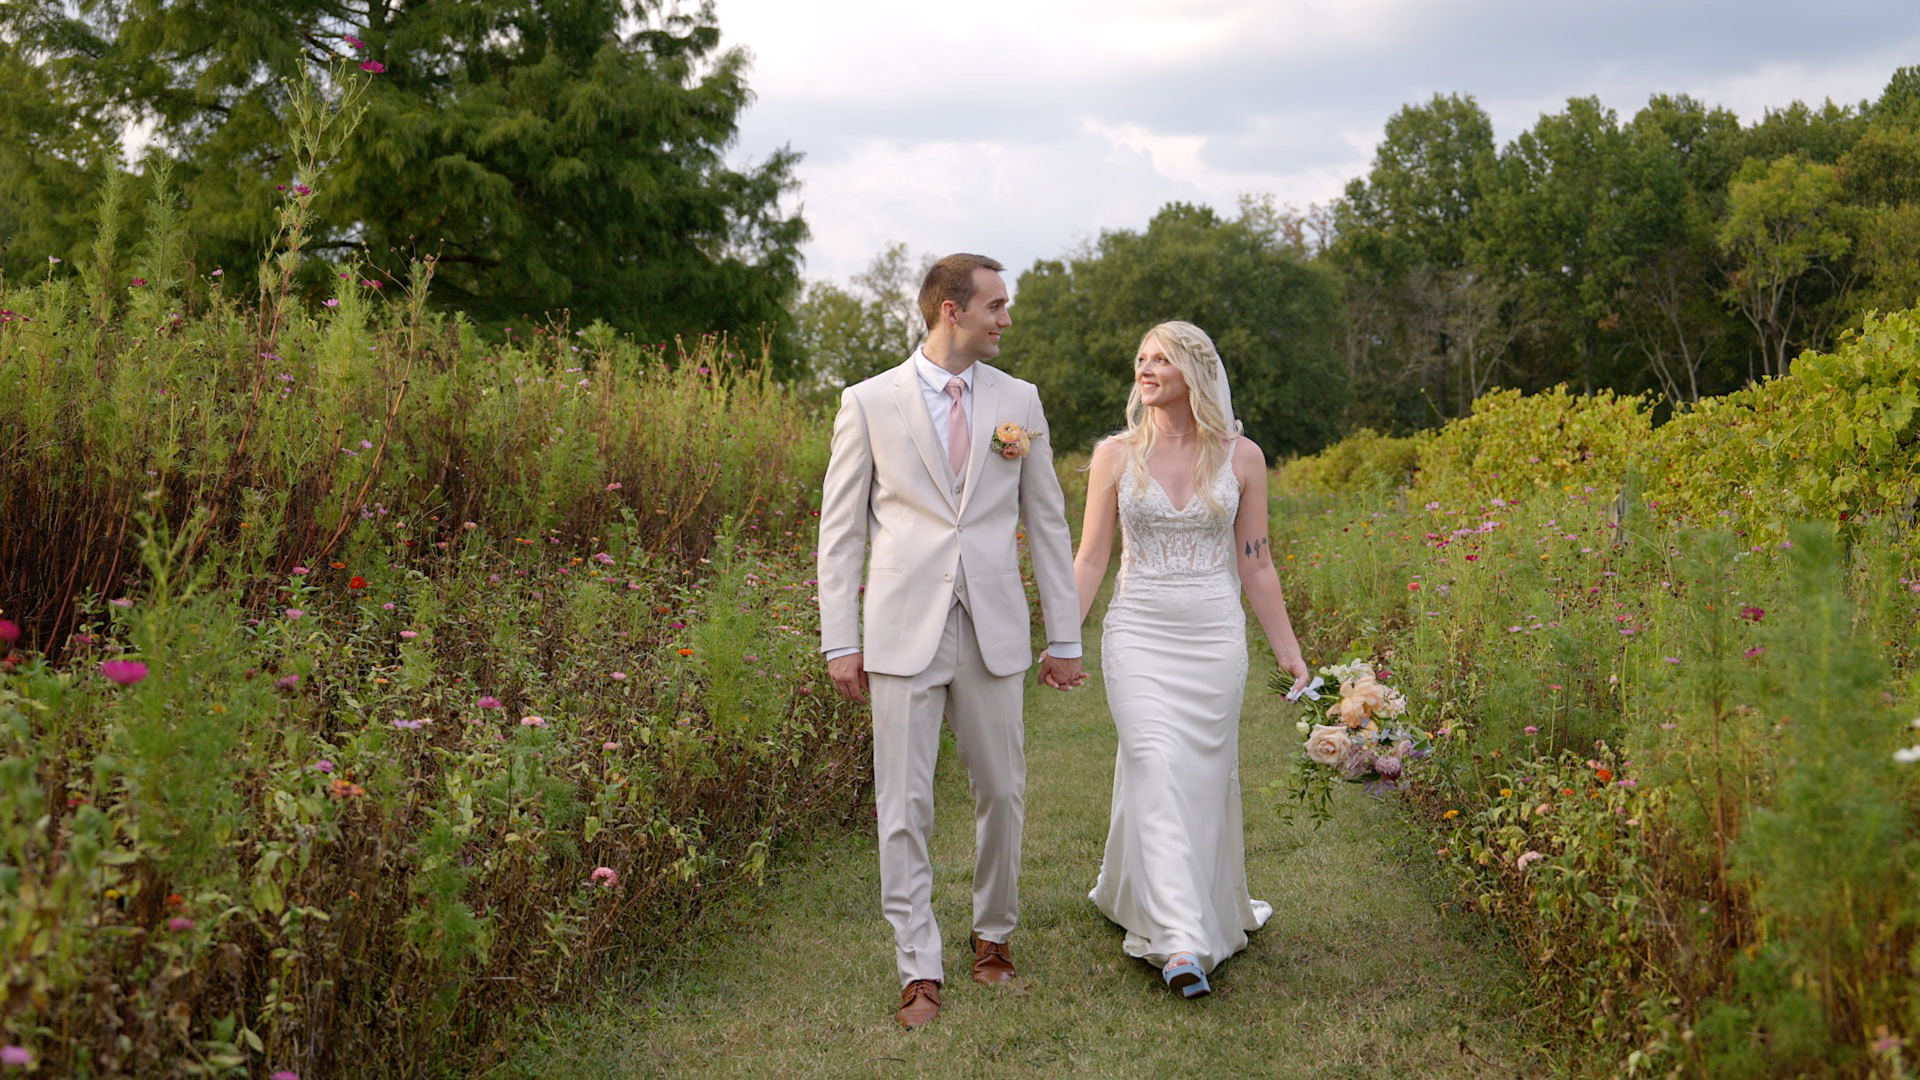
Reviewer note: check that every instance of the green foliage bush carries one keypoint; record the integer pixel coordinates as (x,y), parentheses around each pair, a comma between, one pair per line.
(1671,721)
(1363,461)
(432,629)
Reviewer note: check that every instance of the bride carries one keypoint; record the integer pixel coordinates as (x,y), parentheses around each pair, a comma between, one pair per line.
(1189,494)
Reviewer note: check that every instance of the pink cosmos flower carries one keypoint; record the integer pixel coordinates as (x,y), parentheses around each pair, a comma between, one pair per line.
(179,924)
(358,44)
(9,632)
(605,876)
(124,672)
(373,67)
(331,301)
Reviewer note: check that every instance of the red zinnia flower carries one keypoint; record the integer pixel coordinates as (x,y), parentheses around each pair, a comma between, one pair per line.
(358,582)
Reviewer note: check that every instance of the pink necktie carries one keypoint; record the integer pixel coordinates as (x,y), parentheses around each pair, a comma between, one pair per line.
(957,441)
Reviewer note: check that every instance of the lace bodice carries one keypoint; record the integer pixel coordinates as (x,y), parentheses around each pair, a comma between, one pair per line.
(1189,548)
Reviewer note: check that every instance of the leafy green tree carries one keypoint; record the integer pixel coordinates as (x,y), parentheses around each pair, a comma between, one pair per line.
(549,155)
(1273,315)
(1419,316)
(848,333)
(54,151)
(1787,235)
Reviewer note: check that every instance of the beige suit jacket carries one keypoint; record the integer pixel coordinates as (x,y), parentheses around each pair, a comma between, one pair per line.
(889,504)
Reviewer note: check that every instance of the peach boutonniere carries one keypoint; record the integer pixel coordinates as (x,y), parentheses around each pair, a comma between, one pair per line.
(1011,441)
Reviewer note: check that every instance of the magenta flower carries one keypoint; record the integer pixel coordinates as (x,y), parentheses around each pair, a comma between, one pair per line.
(409,635)
(331,301)
(605,876)
(9,632)
(287,682)
(139,281)
(1531,730)
(179,924)
(322,766)
(15,1057)
(358,44)
(1753,614)
(300,571)
(294,613)
(373,67)
(490,702)
(124,672)
(285,1074)
(302,189)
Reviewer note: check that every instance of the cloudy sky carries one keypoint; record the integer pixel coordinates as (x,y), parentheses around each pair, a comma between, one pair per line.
(1021,128)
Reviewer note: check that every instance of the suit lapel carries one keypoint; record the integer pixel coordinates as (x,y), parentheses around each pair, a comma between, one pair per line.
(986,405)
(919,424)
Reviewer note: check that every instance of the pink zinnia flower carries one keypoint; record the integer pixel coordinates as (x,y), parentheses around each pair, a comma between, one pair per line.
(124,672)
(605,876)
(533,721)
(617,675)
(323,766)
(609,745)
(490,702)
(1531,730)
(294,613)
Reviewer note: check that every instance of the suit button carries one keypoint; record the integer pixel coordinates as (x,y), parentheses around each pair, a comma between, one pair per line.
(949,577)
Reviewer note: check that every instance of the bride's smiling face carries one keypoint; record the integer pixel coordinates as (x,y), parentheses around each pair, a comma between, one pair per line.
(1161,382)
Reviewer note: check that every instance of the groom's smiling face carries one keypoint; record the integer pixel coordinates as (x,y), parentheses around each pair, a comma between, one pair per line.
(977,328)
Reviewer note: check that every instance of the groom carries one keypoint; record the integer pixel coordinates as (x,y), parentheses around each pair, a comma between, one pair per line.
(917,495)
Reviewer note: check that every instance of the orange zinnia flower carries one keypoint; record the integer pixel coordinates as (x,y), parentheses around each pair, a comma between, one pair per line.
(1605,776)
(338,565)
(686,652)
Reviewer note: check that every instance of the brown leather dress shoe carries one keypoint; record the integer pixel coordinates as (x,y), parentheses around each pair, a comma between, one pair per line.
(992,963)
(919,1003)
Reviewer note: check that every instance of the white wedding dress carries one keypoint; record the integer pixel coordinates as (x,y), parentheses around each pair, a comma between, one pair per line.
(1174,650)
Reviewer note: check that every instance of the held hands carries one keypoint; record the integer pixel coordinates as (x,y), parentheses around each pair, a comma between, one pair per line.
(849,675)
(1061,673)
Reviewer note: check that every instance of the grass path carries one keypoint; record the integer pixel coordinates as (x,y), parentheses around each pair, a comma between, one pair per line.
(1359,973)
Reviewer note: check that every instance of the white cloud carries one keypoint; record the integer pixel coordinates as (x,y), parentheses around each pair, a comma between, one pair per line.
(1023,127)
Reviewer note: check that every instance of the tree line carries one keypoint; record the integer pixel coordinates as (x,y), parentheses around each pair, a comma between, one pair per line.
(1678,253)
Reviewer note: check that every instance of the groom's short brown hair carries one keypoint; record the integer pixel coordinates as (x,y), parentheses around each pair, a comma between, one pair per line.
(952,279)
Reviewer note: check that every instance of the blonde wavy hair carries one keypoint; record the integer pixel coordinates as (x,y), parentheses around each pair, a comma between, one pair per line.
(1191,351)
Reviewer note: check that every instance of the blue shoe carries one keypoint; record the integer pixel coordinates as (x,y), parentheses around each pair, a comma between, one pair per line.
(1183,973)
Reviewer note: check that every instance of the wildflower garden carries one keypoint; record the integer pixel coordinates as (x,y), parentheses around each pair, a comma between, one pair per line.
(370,683)
(1671,674)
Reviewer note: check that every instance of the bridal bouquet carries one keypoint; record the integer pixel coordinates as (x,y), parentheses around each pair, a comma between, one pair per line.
(1368,741)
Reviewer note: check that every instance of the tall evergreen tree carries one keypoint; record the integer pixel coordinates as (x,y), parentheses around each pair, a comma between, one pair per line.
(551,155)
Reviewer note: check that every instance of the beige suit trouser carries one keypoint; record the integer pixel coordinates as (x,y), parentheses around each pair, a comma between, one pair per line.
(983,709)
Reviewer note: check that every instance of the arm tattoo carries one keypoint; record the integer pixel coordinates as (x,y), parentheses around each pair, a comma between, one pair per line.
(1256,548)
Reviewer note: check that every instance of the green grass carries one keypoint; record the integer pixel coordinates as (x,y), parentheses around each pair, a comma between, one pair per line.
(1361,972)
